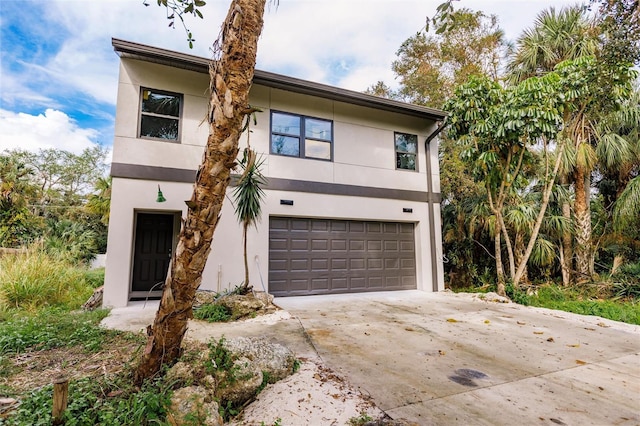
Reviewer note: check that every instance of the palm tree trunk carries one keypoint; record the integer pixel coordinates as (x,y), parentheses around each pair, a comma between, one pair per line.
(245,226)
(231,77)
(583,226)
(566,251)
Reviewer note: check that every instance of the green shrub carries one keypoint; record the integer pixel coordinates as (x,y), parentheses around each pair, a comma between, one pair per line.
(627,282)
(212,312)
(36,279)
(94,401)
(516,294)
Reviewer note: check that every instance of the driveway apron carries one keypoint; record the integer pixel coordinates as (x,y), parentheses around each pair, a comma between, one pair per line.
(446,359)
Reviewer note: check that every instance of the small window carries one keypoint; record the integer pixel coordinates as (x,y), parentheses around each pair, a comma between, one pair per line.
(406,151)
(160,115)
(300,136)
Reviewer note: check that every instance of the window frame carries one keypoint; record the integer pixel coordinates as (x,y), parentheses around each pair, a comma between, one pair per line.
(302,138)
(396,151)
(142,113)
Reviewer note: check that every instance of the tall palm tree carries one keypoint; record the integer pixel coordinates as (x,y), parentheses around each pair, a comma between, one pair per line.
(231,74)
(248,195)
(555,37)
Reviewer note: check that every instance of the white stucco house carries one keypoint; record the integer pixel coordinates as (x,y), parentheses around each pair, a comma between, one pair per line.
(352,201)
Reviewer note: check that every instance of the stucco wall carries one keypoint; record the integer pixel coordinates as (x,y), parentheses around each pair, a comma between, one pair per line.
(363,156)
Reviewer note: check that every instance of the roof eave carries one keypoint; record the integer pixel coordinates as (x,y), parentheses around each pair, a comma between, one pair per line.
(128,49)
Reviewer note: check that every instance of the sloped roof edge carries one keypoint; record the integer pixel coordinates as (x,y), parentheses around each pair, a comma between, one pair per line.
(128,49)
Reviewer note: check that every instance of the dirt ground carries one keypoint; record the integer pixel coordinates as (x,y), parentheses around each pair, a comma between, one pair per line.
(314,395)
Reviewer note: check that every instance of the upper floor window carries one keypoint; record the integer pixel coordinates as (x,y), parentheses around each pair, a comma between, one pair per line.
(160,115)
(406,151)
(300,136)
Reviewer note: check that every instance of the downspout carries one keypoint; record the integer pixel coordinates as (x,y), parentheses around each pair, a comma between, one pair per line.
(430,203)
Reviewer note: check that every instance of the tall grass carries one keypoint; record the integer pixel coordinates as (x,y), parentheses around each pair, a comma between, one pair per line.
(35,279)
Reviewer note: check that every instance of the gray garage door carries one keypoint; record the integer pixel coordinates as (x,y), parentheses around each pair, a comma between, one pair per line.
(321,256)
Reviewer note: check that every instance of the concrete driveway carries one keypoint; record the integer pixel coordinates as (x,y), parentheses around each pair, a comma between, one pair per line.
(451,359)
(447,359)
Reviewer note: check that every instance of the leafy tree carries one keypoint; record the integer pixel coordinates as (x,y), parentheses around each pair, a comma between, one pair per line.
(42,190)
(620,24)
(429,67)
(498,126)
(63,178)
(100,203)
(18,225)
(381,89)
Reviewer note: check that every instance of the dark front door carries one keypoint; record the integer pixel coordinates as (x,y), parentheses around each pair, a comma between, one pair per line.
(152,253)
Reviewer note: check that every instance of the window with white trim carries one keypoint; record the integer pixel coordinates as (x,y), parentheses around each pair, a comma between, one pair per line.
(160,113)
(300,136)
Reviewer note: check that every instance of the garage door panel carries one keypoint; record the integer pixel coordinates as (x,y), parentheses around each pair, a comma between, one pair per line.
(358,283)
(407,246)
(320,265)
(339,284)
(408,281)
(408,264)
(374,264)
(375,283)
(279,265)
(356,227)
(279,244)
(339,245)
(320,284)
(374,246)
(319,245)
(300,244)
(357,264)
(390,246)
(356,245)
(299,225)
(322,256)
(300,265)
(406,228)
(338,264)
(391,264)
(320,226)
(338,226)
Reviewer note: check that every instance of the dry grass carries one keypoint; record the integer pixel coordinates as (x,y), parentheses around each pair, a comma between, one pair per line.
(34,369)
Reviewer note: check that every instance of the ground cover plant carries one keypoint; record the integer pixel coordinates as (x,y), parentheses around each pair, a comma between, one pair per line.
(616,298)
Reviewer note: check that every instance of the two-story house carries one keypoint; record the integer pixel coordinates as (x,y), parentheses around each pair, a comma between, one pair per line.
(352,200)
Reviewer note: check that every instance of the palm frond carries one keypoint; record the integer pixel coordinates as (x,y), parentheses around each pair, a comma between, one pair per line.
(627,208)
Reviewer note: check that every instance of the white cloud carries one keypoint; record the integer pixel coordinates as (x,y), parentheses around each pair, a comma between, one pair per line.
(15,89)
(53,129)
(347,43)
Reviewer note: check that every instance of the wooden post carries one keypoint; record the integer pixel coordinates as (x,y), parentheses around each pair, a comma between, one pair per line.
(60,397)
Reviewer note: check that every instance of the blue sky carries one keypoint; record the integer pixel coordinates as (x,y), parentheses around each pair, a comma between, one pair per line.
(58,71)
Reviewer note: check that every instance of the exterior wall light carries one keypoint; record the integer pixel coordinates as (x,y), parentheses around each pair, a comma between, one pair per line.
(160,198)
